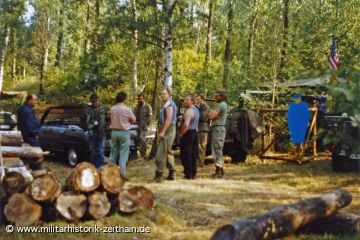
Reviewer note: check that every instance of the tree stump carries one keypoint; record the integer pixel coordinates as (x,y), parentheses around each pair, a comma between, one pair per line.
(136,198)
(22,210)
(284,220)
(83,178)
(111,179)
(337,224)
(16,181)
(99,205)
(146,197)
(71,206)
(45,188)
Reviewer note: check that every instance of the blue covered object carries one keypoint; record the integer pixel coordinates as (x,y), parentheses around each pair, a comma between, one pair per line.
(298,118)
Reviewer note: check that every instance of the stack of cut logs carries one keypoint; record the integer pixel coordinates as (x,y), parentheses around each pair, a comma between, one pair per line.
(88,193)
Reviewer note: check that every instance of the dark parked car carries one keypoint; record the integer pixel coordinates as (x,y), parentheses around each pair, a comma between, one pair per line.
(7,121)
(62,133)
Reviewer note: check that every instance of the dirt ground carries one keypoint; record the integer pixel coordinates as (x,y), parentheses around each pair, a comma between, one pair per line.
(194,209)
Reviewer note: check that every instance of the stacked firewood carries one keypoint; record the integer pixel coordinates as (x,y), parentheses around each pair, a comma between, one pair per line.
(88,193)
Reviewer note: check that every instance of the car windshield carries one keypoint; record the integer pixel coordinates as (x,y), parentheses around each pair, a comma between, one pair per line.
(64,116)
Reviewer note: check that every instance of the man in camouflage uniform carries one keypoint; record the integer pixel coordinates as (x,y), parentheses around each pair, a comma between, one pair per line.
(143,114)
(95,122)
(203,128)
(218,117)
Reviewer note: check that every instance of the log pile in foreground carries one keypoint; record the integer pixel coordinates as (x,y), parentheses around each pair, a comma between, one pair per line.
(86,193)
(316,215)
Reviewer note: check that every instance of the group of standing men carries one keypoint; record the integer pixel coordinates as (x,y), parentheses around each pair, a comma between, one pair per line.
(193,134)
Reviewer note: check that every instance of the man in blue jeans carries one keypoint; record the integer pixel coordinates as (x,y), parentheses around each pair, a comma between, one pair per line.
(121,118)
(95,123)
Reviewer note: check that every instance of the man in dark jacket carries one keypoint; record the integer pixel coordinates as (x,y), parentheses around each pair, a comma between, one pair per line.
(29,127)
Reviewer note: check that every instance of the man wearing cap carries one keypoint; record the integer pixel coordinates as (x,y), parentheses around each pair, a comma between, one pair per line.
(143,114)
(218,117)
(95,122)
(298,119)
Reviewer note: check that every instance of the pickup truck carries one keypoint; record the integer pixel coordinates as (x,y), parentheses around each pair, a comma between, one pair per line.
(62,133)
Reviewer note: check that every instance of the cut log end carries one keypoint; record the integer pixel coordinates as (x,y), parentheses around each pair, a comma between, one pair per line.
(111,179)
(99,205)
(83,178)
(136,198)
(45,188)
(22,210)
(71,206)
(15,182)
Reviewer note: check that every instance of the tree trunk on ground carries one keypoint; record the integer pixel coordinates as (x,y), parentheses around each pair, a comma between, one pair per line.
(16,182)
(22,210)
(22,152)
(111,179)
(99,205)
(11,138)
(3,49)
(253,27)
(71,206)
(60,40)
(284,220)
(209,34)
(337,224)
(227,54)
(45,188)
(83,178)
(168,65)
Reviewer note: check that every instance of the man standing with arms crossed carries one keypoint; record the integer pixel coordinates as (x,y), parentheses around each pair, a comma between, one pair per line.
(143,113)
(167,132)
(203,128)
(218,117)
(189,139)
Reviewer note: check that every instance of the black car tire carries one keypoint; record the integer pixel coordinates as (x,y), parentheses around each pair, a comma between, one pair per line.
(72,157)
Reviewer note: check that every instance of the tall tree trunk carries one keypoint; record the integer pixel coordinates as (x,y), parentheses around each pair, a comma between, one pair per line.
(86,41)
(209,34)
(13,54)
(3,49)
(253,27)
(169,8)
(285,34)
(227,55)
(158,77)
(135,50)
(60,41)
(44,62)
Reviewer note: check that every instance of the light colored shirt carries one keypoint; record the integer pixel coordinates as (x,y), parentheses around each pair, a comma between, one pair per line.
(121,117)
(221,109)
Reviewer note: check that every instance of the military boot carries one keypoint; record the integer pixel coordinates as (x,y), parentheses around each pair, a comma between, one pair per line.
(217,173)
(157,178)
(171,176)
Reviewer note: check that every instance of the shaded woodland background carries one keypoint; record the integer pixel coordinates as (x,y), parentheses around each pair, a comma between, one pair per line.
(65,49)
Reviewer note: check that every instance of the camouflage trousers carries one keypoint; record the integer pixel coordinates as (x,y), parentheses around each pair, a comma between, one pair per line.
(203,139)
(217,144)
(164,155)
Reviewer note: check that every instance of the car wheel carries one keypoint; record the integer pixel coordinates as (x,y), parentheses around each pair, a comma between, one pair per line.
(72,157)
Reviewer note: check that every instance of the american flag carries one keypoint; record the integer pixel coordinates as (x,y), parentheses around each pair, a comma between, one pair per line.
(334,57)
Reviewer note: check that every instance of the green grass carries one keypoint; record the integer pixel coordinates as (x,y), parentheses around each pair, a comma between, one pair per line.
(195,209)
